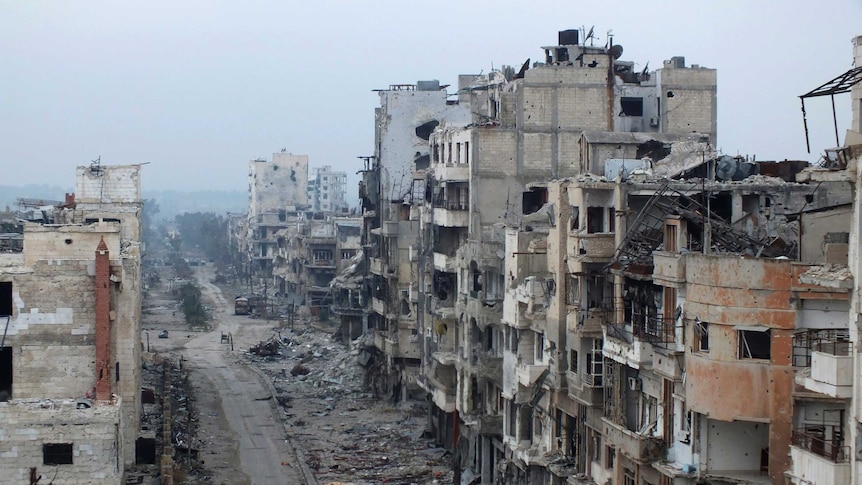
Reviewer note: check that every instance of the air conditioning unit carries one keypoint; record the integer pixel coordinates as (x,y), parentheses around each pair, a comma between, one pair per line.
(683,436)
(634,384)
(653,122)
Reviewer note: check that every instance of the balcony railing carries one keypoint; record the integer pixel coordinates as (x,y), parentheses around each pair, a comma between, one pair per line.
(592,380)
(654,330)
(815,443)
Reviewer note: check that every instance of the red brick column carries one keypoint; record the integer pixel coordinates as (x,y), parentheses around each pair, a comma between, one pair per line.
(103,322)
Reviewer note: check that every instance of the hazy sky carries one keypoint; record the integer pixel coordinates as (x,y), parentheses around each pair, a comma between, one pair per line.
(198,88)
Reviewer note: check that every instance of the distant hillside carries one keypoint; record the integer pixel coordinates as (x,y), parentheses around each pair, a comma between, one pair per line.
(172,202)
(10,194)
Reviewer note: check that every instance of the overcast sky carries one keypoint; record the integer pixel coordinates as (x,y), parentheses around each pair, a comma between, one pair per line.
(198,88)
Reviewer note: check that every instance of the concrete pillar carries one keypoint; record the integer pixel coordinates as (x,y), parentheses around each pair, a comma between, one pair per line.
(103,323)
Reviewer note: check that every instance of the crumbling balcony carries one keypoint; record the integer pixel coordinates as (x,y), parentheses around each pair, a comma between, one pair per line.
(452,216)
(668,267)
(638,447)
(379,306)
(596,247)
(490,425)
(589,323)
(621,345)
(446,263)
(377,266)
(819,460)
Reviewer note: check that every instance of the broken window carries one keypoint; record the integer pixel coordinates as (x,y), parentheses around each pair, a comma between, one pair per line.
(572,290)
(631,106)
(534,199)
(701,336)
(573,361)
(322,255)
(145,451)
(466,152)
(754,342)
(57,454)
(540,346)
(5,374)
(5,298)
(595,220)
(425,129)
(575,223)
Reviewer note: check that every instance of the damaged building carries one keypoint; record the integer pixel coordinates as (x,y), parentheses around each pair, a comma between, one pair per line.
(70,356)
(274,188)
(312,250)
(554,120)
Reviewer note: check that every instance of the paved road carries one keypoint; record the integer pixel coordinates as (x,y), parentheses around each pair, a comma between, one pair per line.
(262,447)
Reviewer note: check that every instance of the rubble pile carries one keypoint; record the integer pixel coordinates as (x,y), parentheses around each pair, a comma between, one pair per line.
(344,433)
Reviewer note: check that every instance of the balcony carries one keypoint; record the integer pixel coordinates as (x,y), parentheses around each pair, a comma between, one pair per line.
(640,448)
(831,371)
(389,228)
(668,267)
(379,306)
(445,263)
(597,247)
(621,346)
(377,266)
(591,325)
(452,217)
(452,172)
(442,395)
(528,374)
(490,425)
(380,341)
(817,460)
(487,365)
(585,388)
(486,311)
(404,346)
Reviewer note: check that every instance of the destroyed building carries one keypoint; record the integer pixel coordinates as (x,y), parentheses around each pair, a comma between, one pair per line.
(387,297)
(70,358)
(312,250)
(528,128)
(326,190)
(274,188)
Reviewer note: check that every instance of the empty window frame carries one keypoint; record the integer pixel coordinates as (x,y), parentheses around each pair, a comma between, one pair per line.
(57,454)
(5,374)
(754,342)
(701,336)
(5,299)
(630,106)
(595,219)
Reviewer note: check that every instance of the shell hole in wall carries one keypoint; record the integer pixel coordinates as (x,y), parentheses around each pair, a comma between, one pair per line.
(68,241)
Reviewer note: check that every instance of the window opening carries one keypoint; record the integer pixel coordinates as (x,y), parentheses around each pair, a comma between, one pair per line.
(631,106)
(754,344)
(57,454)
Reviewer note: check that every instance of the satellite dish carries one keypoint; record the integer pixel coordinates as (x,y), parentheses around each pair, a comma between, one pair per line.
(725,167)
(616,51)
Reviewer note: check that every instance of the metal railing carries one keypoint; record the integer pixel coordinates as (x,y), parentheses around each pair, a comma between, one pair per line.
(816,443)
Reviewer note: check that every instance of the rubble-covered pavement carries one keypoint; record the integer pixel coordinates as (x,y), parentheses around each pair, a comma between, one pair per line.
(344,433)
(332,428)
